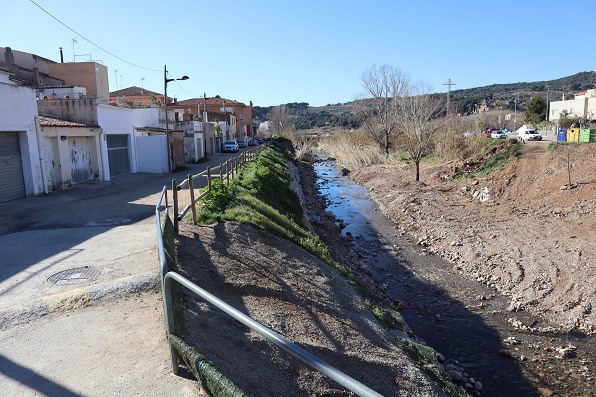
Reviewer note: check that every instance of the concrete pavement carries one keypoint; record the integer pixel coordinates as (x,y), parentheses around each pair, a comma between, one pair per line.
(89,246)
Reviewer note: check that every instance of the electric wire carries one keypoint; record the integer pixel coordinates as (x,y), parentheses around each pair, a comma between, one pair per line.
(92,43)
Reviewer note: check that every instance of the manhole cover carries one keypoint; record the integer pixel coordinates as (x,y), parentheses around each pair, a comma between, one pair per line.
(79,274)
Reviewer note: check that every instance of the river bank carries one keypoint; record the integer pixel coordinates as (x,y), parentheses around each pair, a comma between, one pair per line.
(544,362)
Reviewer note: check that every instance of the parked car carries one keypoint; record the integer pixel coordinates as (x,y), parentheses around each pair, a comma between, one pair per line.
(253,142)
(498,134)
(529,134)
(230,146)
(242,143)
(260,141)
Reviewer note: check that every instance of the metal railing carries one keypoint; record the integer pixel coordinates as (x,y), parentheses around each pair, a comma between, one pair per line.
(168,278)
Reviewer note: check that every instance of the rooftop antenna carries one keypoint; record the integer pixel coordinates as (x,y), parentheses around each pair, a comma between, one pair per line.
(73,50)
(120,81)
(449,84)
(116,75)
(142,88)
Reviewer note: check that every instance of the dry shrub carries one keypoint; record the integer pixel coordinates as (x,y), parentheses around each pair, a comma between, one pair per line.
(455,142)
(353,148)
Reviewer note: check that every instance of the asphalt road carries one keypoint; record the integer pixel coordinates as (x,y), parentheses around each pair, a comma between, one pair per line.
(70,264)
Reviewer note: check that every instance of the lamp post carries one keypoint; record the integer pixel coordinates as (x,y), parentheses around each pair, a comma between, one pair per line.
(165,106)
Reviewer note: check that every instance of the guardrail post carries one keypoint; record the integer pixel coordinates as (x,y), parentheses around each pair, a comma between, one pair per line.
(221,172)
(175,198)
(169,308)
(192,199)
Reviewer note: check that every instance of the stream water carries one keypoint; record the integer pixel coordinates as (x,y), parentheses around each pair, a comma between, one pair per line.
(464,320)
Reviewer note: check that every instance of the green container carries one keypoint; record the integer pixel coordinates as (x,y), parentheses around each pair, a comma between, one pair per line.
(586,136)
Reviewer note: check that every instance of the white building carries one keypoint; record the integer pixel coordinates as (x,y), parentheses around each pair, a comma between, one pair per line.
(21,171)
(583,105)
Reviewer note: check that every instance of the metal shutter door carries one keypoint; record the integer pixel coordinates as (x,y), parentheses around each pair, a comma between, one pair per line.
(12,185)
(118,154)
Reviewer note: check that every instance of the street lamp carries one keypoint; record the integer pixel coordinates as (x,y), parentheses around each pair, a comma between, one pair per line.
(165,103)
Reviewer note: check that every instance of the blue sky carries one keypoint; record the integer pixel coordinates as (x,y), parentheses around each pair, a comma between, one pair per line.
(274,52)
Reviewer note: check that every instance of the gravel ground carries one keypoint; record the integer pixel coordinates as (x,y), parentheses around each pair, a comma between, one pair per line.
(531,238)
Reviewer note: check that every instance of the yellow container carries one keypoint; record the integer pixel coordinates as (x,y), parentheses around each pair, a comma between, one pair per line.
(573,135)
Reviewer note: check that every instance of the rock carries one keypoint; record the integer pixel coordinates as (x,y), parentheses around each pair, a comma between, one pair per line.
(455,375)
(475,182)
(478,386)
(468,386)
(440,358)
(366,270)
(504,353)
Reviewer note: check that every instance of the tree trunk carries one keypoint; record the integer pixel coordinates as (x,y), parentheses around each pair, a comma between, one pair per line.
(417,171)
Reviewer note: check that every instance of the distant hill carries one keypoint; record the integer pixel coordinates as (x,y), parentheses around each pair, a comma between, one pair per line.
(345,114)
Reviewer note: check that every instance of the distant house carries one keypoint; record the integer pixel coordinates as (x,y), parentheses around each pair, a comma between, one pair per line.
(136,97)
(582,105)
(239,118)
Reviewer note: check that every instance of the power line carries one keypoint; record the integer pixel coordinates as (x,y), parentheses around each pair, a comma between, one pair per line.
(448,83)
(92,43)
(178,84)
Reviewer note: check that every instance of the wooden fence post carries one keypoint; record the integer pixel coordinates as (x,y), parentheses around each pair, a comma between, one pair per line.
(208,179)
(192,199)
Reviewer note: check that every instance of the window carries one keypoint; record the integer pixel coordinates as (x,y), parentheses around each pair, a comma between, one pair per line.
(139,103)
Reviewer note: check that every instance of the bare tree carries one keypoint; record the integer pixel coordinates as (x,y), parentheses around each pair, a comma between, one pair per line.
(417,120)
(280,118)
(383,84)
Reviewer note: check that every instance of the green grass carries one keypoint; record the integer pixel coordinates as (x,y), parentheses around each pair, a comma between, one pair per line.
(261,196)
(496,162)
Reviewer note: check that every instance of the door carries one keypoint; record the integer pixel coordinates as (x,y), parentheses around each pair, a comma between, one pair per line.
(12,184)
(118,157)
(54,165)
(81,168)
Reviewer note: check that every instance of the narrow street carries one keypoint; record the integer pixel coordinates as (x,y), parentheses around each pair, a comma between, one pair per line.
(92,248)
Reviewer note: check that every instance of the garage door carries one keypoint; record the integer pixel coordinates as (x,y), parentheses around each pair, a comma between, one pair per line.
(12,185)
(118,154)
(81,168)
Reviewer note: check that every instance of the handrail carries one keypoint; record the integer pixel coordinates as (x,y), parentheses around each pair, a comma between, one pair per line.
(307,358)
(272,336)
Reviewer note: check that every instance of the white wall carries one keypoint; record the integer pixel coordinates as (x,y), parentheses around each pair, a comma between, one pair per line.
(573,106)
(18,113)
(149,117)
(115,120)
(153,154)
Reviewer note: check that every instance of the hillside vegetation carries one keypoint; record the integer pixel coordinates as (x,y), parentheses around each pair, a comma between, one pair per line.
(346,115)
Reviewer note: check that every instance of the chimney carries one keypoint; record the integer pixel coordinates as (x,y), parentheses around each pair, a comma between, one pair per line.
(61,56)
(8,56)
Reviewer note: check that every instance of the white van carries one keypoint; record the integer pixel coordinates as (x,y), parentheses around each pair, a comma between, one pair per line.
(529,134)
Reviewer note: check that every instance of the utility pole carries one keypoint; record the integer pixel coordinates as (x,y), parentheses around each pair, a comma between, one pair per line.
(515,114)
(449,83)
(547,92)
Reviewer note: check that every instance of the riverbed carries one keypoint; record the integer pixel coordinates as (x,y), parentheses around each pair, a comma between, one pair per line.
(466,321)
